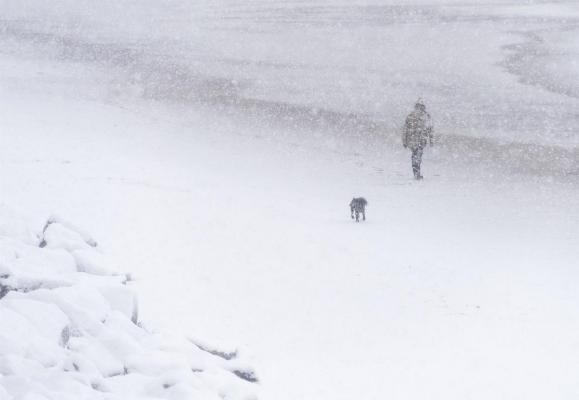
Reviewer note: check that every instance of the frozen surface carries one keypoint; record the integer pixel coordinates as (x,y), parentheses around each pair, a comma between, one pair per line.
(214,157)
(495,70)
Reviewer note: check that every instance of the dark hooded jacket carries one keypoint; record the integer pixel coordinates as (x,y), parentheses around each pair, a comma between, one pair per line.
(417,129)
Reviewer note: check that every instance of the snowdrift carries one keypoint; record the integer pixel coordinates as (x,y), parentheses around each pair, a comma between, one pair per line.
(69,329)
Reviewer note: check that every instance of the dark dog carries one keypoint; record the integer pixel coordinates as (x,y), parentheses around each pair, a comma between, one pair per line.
(357,206)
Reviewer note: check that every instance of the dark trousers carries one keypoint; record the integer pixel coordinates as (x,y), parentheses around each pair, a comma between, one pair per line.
(416,161)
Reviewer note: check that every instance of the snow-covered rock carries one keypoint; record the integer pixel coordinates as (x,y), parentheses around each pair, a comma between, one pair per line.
(69,329)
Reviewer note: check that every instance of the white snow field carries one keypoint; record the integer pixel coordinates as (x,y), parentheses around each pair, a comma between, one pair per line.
(212,148)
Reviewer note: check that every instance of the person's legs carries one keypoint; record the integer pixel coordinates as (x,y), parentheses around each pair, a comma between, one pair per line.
(416,161)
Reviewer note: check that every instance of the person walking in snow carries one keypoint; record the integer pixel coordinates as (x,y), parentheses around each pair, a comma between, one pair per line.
(417,134)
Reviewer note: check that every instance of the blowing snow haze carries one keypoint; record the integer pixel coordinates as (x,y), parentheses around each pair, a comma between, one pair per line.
(213,149)
(489,69)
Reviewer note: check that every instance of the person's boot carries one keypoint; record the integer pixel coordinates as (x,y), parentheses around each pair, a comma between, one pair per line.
(417,174)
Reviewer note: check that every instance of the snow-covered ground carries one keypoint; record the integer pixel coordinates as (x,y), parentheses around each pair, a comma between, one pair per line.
(70,328)
(215,161)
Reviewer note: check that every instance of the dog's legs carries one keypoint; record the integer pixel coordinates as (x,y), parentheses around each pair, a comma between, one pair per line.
(357,216)
(352,212)
(363,215)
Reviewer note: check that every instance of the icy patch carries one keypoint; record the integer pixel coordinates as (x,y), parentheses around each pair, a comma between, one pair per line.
(69,329)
